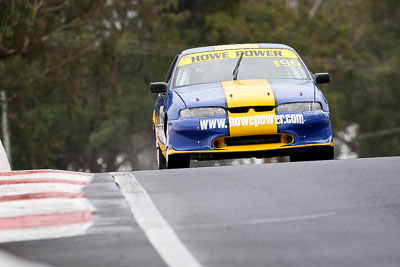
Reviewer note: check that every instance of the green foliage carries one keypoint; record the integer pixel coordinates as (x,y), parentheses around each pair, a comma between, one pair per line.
(77,74)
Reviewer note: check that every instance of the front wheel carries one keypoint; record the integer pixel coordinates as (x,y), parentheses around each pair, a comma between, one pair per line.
(162,163)
(171,161)
(178,161)
(314,153)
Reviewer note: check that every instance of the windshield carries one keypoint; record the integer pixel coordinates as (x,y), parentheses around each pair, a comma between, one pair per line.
(218,66)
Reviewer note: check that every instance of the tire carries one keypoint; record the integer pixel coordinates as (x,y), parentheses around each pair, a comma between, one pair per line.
(314,153)
(323,153)
(171,161)
(305,156)
(161,161)
(178,161)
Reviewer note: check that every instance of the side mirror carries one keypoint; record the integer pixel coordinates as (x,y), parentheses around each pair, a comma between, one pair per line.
(158,87)
(321,78)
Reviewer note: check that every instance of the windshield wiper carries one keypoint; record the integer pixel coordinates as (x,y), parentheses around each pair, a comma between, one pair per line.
(236,70)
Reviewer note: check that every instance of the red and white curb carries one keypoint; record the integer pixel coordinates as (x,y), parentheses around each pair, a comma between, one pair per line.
(43,204)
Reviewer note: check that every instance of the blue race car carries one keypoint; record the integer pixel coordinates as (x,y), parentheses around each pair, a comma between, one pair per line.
(236,101)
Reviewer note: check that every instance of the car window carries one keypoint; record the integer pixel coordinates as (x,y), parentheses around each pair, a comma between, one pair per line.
(218,66)
(171,68)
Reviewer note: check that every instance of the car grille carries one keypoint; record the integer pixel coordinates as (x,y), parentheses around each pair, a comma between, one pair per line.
(252,140)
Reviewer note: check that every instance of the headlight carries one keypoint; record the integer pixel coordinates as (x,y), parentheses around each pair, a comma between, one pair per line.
(299,107)
(201,112)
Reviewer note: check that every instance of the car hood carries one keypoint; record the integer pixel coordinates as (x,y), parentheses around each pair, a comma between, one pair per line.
(247,93)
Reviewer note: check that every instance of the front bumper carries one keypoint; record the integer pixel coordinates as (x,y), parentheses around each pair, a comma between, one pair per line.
(187,135)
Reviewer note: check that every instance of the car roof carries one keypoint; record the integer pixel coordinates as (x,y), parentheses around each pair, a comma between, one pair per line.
(234,46)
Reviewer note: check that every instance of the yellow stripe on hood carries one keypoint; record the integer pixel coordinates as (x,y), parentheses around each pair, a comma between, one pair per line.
(250,93)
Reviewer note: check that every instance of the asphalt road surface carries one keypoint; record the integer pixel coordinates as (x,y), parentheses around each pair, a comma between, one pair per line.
(324,213)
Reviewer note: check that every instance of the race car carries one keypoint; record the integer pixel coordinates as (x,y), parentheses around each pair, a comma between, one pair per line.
(240,101)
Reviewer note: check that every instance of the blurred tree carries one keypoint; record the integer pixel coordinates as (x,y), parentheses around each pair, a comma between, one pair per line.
(14,16)
(60,83)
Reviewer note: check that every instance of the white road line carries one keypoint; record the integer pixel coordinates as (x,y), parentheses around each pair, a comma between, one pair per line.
(49,175)
(258,221)
(8,259)
(43,206)
(46,232)
(20,189)
(160,234)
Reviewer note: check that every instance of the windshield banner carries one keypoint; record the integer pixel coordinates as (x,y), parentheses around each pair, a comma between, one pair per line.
(235,53)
